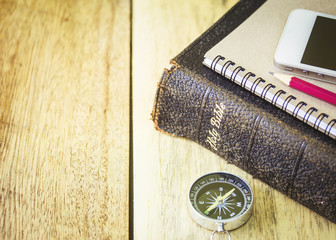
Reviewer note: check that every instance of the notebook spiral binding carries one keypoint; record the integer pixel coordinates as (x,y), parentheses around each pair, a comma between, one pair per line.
(224,66)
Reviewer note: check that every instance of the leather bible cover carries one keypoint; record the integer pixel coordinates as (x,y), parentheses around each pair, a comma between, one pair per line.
(196,103)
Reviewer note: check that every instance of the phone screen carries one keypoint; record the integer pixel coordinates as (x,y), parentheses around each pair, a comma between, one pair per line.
(321,47)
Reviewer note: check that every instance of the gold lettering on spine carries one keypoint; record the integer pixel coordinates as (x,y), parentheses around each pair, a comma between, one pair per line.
(213,135)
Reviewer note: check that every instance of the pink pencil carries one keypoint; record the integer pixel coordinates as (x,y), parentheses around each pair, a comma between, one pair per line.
(307,87)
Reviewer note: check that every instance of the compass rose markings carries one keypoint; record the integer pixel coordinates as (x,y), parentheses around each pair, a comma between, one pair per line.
(221,196)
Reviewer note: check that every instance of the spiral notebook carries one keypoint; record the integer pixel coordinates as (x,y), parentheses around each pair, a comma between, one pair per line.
(246,58)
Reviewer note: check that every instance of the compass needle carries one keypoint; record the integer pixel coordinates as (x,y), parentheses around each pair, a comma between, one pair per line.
(219,200)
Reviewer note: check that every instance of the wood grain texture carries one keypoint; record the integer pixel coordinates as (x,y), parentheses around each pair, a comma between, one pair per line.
(64,119)
(165,167)
(64,126)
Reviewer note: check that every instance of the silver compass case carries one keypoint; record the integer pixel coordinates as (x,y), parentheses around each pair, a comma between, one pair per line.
(230,213)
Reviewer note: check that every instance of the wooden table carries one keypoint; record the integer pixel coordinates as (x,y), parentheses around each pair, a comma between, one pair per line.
(79,156)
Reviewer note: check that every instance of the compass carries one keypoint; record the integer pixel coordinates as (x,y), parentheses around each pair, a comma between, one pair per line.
(220,201)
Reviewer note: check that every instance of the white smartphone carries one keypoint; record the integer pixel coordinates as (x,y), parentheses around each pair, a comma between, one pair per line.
(307,46)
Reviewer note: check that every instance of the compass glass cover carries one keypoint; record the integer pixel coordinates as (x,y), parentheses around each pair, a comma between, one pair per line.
(220,196)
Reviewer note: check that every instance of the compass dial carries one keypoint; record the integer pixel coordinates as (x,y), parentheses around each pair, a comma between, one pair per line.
(220,198)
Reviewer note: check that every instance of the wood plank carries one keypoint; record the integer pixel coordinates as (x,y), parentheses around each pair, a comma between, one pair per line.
(64,119)
(165,167)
